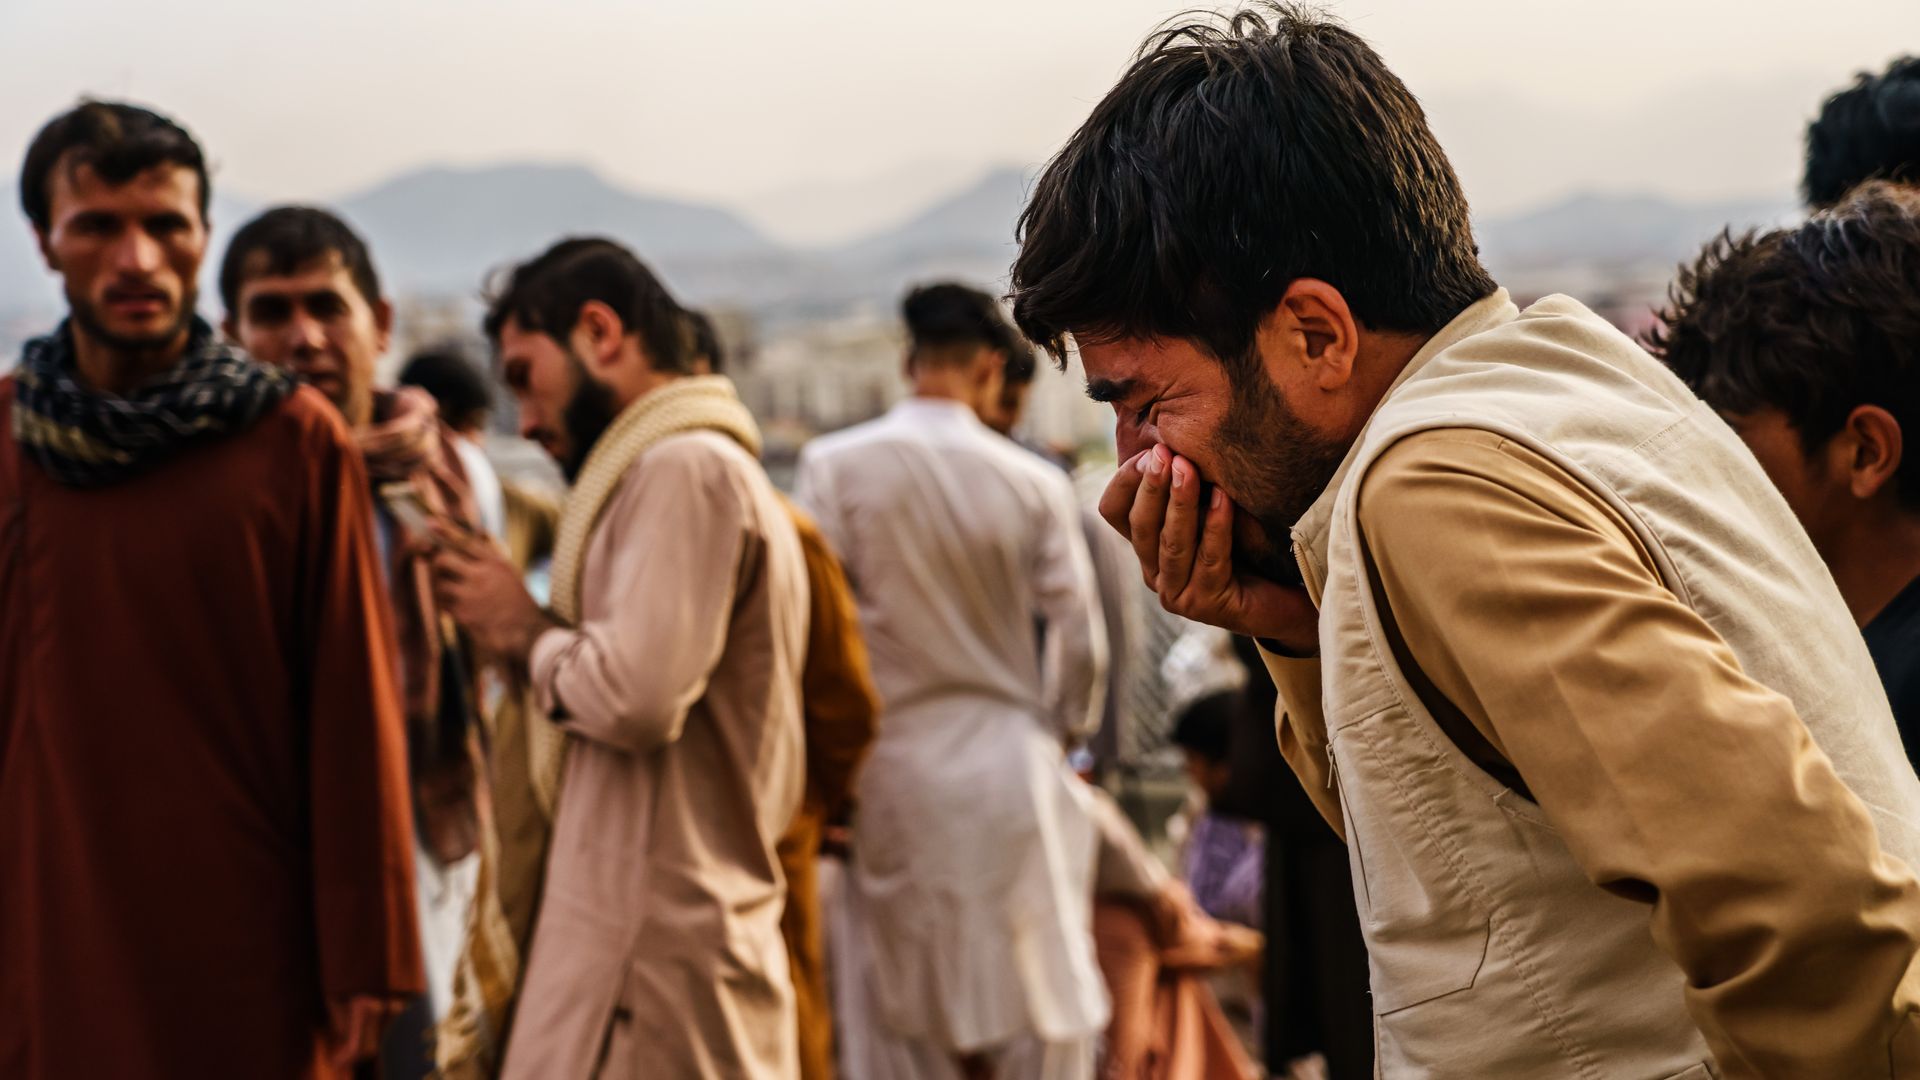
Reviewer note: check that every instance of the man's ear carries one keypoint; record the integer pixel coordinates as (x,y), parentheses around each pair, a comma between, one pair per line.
(383,323)
(45,243)
(1313,332)
(597,335)
(230,328)
(1874,448)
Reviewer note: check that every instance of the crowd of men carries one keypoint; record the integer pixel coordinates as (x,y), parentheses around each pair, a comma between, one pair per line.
(1602,657)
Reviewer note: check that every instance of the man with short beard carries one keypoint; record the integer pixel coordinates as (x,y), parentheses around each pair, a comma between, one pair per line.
(1622,793)
(203,806)
(667,680)
(301,293)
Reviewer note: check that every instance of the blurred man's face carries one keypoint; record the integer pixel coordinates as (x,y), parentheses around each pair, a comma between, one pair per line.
(562,407)
(1822,505)
(129,254)
(315,323)
(1208,775)
(1003,414)
(1244,439)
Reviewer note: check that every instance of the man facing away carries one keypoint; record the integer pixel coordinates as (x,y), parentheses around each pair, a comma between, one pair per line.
(1622,793)
(973,849)
(839,706)
(670,667)
(302,293)
(203,801)
(1121,596)
(1807,340)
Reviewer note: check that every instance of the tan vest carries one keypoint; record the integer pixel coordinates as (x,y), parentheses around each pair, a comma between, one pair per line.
(1492,954)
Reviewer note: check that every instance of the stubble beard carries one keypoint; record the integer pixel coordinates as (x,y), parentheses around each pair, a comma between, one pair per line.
(142,349)
(589,413)
(1278,467)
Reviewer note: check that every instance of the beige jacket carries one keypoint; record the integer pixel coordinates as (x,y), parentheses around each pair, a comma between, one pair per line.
(1622,792)
(657,951)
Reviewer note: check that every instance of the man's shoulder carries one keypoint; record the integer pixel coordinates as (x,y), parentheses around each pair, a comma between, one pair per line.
(308,418)
(702,452)
(1029,465)
(706,473)
(833,446)
(1451,470)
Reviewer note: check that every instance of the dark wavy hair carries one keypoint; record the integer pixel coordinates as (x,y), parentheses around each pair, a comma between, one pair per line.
(703,341)
(1814,320)
(545,294)
(1870,130)
(455,381)
(946,314)
(118,141)
(1237,155)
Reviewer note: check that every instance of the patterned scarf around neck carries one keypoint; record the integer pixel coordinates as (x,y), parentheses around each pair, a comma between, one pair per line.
(409,453)
(86,439)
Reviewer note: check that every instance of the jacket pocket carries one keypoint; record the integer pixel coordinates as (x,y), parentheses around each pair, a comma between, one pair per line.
(1903,1052)
(1427,934)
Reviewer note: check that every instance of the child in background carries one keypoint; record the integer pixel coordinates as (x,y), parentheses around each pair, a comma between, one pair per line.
(1222,858)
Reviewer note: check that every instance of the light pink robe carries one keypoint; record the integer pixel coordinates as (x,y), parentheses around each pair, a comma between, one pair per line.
(657,951)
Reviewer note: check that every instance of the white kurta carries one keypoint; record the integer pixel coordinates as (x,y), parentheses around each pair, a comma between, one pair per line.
(973,843)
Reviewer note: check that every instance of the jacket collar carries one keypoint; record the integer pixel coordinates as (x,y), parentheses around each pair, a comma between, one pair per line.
(1311,531)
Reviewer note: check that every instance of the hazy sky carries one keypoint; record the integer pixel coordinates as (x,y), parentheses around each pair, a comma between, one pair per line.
(755,103)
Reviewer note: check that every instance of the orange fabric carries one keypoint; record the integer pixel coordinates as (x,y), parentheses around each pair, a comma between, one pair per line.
(1166,1024)
(204,822)
(841,708)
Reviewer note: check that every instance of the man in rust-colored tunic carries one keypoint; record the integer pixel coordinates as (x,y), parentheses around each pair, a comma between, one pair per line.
(205,864)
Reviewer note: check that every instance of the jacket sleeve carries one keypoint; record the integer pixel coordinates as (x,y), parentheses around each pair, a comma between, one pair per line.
(360,814)
(1674,777)
(1074,653)
(1302,730)
(840,702)
(680,536)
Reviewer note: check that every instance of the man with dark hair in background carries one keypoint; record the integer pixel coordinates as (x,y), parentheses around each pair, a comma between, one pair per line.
(840,707)
(302,293)
(1807,340)
(1868,131)
(667,741)
(973,845)
(1623,794)
(459,387)
(203,801)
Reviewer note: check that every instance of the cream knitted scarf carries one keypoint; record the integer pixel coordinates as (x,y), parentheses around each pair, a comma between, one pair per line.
(699,402)
(529,750)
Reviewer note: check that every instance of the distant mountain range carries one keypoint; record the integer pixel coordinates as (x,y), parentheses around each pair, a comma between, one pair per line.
(1618,230)
(438,231)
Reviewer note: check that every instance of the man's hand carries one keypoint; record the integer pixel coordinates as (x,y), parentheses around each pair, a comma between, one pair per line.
(1186,553)
(484,593)
(354,1027)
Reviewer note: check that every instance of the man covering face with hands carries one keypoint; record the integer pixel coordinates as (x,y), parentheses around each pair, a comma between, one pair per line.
(1530,604)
